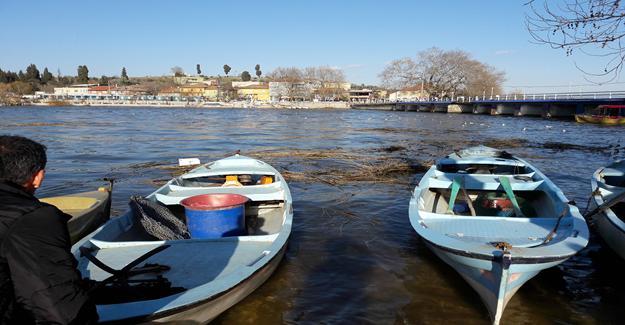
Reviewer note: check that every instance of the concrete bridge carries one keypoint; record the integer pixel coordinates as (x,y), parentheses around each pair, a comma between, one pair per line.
(539,105)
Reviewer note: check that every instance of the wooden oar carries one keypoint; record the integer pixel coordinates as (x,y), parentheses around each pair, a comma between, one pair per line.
(607,204)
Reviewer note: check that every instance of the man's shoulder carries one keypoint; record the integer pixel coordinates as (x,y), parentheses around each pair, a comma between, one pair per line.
(16,206)
(45,214)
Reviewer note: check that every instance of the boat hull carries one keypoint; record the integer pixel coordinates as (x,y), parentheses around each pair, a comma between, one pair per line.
(612,231)
(496,281)
(599,120)
(606,222)
(495,255)
(205,311)
(89,210)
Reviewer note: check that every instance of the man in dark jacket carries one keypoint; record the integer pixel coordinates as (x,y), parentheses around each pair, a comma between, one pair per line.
(39,282)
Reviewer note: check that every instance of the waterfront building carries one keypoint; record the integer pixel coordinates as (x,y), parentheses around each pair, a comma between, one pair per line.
(169,92)
(194,90)
(101,90)
(73,90)
(361,95)
(255,92)
(243,84)
(416,92)
(133,90)
(367,95)
(211,93)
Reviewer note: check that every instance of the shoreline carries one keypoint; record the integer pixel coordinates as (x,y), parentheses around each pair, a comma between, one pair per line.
(237,104)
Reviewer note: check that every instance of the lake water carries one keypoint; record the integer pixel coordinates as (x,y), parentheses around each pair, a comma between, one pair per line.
(353,256)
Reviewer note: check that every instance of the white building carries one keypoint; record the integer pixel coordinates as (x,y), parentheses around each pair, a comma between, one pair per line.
(413,93)
(73,90)
(243,84)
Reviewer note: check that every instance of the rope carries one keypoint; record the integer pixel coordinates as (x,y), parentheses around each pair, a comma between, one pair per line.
(553,231)
(593,193)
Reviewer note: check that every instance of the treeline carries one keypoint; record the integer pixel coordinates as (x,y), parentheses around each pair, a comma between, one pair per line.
(32,75)
(33,79)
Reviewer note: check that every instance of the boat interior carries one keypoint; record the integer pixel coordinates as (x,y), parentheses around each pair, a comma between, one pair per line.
(174,269)
(262,217)
(492,186)
(463,198)
(615,180)
(615,176)
(487,203)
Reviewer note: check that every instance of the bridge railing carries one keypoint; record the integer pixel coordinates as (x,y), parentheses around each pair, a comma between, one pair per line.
(560,96)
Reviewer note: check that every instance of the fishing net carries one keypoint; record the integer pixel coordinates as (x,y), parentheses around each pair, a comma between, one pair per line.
(157,220)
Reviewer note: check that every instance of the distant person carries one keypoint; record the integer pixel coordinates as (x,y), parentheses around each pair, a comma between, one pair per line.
(39,282)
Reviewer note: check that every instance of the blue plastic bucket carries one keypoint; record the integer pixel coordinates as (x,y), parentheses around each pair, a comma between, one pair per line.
(215,215)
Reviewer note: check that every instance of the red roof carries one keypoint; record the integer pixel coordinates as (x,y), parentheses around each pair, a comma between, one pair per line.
(100,88)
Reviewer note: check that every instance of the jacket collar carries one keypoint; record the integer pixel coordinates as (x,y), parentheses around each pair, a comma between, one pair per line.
(14,189)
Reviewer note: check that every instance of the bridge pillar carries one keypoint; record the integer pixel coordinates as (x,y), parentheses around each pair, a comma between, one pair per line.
(411,108)
(426,108)
(533,110)
(482,109)
(440,108)
(562,110)
(459,108)
(505,109)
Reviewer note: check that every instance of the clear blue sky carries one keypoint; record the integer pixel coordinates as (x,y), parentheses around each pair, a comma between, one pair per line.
(150,37)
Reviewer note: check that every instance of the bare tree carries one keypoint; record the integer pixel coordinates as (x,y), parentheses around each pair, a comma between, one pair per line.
(325,81)
(483,79)
(443,73)
(289,77)
(592,27)
(289,74)
(400,73)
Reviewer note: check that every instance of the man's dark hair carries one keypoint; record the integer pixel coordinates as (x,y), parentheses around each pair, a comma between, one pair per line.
(20,159)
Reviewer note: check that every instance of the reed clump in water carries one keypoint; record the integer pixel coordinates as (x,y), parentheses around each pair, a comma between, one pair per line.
(338,166)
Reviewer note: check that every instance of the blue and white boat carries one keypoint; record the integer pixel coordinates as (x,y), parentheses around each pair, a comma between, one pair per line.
(607,183)
(496,220)
(190,281)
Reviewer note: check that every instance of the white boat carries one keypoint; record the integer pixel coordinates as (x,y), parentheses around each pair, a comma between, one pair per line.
(89,210)
(190,280)
(496,220)
(607,183)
